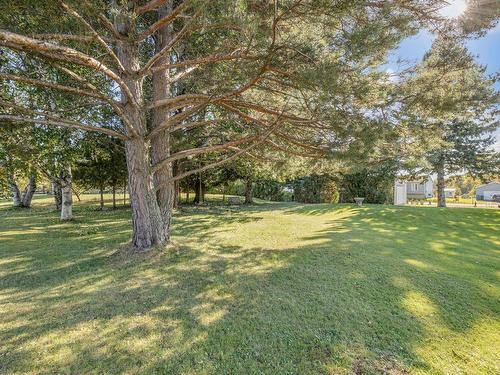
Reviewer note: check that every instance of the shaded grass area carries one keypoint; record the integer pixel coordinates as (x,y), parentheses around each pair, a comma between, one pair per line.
(269,288)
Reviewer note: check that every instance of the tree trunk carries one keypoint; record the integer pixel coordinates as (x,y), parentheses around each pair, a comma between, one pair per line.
(160,144)
(440,186)
(177,194)
(177,187)
(248,191)
(15,193)
(124,193)
(67,195)
(101,193)
(56,186)
(148,226)
(29,191)
(114,195)
(199,196)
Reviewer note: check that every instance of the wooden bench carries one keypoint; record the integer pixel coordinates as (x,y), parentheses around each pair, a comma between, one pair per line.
(233,200)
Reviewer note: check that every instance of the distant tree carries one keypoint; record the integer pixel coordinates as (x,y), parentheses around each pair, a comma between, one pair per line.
(451,105)
(102,164)
(57,153)
(17,155)
(465,184)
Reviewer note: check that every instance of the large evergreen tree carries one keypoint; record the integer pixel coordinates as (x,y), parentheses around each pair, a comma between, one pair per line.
(451,109)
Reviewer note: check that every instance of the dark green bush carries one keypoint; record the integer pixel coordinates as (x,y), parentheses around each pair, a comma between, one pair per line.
(316,189)
(375,185)
(269,190)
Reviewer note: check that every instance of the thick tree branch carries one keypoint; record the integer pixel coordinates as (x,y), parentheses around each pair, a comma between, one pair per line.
(51,120)
(148,7)
(205,60)
(188,28)
(61,53)
(193,99)
(182,74)
(96,35)
(64,37)
(203,150)
(146,68)
(175,119)
(216,164)
(55,86)
(116,106)
(166,20)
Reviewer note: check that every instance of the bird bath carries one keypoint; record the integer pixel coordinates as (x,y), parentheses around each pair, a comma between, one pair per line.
(359,201)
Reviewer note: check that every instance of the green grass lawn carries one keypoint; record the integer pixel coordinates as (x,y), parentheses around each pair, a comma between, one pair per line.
(265,289)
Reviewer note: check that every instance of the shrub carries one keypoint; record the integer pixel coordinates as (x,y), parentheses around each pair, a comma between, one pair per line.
(316,189)
(269,190)
(329,193)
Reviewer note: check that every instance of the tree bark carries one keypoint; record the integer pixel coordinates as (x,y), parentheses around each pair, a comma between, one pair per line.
(440,185)
(149,227)
(199,189)
(67,195)
(29,191)
(160,144)
(56,186)
(177,186)
(15,193)
(114,195)
(101,193)
(248,191)
(124,193)
(177,195)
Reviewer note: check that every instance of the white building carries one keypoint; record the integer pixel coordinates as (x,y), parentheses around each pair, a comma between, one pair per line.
(488,192)
(420,189)
(415,189)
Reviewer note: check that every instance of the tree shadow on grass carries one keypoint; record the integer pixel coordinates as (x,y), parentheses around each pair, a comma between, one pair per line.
(358,295)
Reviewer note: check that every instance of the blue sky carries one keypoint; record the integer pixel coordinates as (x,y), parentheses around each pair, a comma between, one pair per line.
(485,49)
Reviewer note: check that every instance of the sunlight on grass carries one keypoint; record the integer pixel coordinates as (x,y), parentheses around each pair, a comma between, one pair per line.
(269,288)
(417,263)
(418,304)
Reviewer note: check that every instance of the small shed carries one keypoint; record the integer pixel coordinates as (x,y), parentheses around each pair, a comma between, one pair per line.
(400,194)
(488,192)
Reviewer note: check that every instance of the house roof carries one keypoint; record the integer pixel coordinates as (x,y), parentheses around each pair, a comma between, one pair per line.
(420,179)
(489,183)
